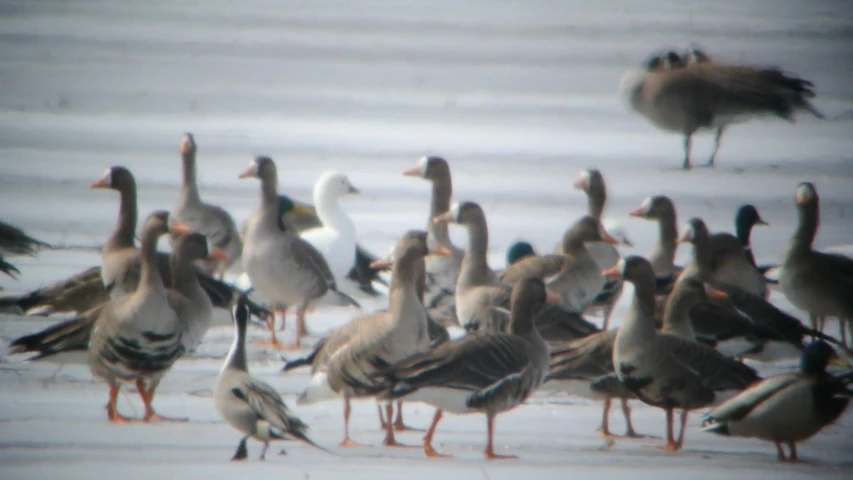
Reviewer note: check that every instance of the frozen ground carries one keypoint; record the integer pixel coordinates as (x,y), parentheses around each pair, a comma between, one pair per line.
(519,96)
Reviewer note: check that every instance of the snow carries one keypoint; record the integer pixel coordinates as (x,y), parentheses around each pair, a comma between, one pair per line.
(519,96)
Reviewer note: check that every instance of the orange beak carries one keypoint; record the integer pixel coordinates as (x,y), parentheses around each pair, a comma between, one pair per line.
(179,228)
(684,238)
(250,172)
(218,254)
(440,251)
(381,264)
(100,183)
(638,212)
(412,172)
(580,184)
(553,297)
(607,238)
(715,294)
(443,218)
(612,272)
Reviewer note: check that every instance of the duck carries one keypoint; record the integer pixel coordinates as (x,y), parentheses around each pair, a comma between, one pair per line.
(489,373)
(284,268)
(685,98)
(442,272)
(664,370)
(252,406)
(816,282)
(788,408)
(368,342)
(747,217)
(721,259)
(137,338)
(212,221)
(575,274)
(336,238)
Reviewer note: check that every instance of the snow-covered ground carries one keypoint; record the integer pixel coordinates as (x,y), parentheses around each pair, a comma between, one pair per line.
(519,97)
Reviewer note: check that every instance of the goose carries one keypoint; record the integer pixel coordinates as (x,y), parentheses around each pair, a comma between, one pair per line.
(13,241)
(442,271)
(210,220)
(285,269)
(721,259)
(661,209)
(489,373)
(591,182)
(787,408)
(358,348)
(816,282)
(253,407)
(663,370)
(336,238)
(575,274)
(685,98)
(137,338)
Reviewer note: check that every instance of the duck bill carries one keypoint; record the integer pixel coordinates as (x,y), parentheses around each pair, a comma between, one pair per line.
(218,254)
(639,212)
(440,251)
(606,237)
(302,211)
(553,297)
(446,217)
(179,228)
(412,172)
(714,293)
(761,221)
(381,264)
(612,272)
(684,238)
(250,172)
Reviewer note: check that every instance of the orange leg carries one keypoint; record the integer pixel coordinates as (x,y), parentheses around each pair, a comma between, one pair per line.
(490,446)
(147,396)
(670,444)
(629,429)
(300,325)
(348,442)
(283,312)
(793,456)
(604,429)
(382,423)
(112,410)
(399,425)
(428,450)
(780,453)
(680,442)
(390,440)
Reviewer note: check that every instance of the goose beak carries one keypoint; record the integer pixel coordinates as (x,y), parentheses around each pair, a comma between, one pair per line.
(553,297)
(302,211)
(446,217)
(412,172)
(179,228)
(440,251)
(606,237)
(638,212)
(250,172)
(684,238)
(218,254)
(352,190)
(102,182)
(579,184)
(612,272)
(381,264)
(714,293)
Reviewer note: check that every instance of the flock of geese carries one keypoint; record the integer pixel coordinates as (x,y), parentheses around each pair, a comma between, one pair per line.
(681,346)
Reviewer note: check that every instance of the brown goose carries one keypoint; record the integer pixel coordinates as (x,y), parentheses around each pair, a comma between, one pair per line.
(685,98)
(816,282)
(661,209)
(489,373)
(664,370)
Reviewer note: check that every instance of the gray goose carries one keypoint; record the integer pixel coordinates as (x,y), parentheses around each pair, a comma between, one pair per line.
(283,267)
(661,209)
(488,373)
(442,272)
(211,221)
(818,283)
(685,98)
(787,408)
(137,338)
(253,407)
(664,370)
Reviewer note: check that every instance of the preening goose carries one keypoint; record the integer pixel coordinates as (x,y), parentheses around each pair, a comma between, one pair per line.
(787,408)
(816,282)
(137,338)
(442,271)
(211,221)
(711,95)
(251,406)
(284,268)
(664,370)
(488,373)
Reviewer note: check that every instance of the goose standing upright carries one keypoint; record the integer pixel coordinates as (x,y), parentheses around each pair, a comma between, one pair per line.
(119,249)
(251,406)
(818,283)
(661,209)
(336,238)
(281,266)
(137,338)
(211,221)
(489,373)
(684,98)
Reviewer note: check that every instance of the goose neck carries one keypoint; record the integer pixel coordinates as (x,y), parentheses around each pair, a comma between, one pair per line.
(123,235)
(442,191)
(189,188)
(237,354)
(809,219)
(676,316)
(149,274)
(595,202)
(475,266)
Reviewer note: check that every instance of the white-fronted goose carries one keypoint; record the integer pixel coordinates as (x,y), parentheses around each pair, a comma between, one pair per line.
(137,338)
(488,373)
(720,259)
(284,268)
(251,406)
(685,98)
(575,274)
(211,221)
(664,370)
(119,248)
(787,408)
(442,271)
(816,282)
(661,209)
(335,239)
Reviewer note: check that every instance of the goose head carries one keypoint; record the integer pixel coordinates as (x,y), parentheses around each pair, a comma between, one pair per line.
(694,230)
(259,167)
(694,55)
(632,269)
(115,178)
(411,236)
(806,194)
(196,246)
(590,182)
(667,60)
(333,184)
(430,168)
(653,207)
(188,145)
(162,222)
(585,230)
(462,213)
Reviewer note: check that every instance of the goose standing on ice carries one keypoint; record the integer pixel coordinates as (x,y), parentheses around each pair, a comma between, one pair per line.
(684,98)
(210,220)
(488,373)
(281,265)
(249,405)
(336,238)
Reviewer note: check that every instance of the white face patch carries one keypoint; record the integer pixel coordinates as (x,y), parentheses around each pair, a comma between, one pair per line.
(584,178)
(108,177)
(454,211)
(647,205)
(621,266)
(423,163)
(690,231)
(804,194)
(255,165)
